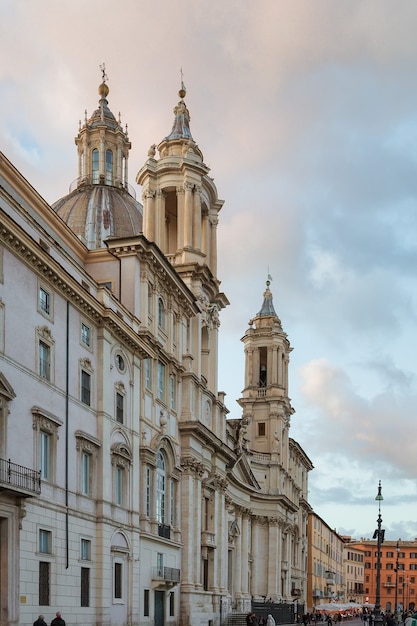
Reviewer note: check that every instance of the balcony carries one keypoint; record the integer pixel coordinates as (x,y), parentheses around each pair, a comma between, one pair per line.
(388,585)
(208,539)
(19,479)
(165,577)
(164,531)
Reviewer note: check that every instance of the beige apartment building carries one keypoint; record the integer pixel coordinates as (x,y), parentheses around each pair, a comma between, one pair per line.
(128,494)
(325,583)
(353,572)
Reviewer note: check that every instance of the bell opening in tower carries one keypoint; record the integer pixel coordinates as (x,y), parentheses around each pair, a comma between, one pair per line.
(171,221)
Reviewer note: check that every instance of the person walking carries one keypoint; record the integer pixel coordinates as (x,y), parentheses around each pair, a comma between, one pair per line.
(58,621)
(40,621)
(270,620)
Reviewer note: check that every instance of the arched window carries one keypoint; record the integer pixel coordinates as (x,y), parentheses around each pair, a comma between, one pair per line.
(109,167)
(160,488)
(161,314)
(95,166)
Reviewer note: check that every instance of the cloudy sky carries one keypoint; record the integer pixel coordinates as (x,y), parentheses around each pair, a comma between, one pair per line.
(306,113)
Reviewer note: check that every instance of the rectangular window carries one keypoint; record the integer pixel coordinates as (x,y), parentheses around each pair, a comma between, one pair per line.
(85,550)
(171,604)
(85,388)
(119,407)
(45,541)
(44,301)
(148,374)
(161,381)
(119,486)
(45,455)
(118,570)
(146,603)
(160,564)
(44,361)
(85,334)
(172,391)
(85,473)
(261,429)
(85,586)
(44,583)
(148,491)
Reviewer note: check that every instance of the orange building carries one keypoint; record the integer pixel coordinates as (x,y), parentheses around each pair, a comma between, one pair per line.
(398,573)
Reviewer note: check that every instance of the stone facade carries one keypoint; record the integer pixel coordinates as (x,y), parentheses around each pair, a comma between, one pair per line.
(127,495)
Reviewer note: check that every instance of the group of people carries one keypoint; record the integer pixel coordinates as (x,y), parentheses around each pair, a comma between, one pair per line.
(252,620)
(57,621)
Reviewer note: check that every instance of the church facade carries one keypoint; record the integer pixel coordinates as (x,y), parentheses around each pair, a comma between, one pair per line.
(127,495)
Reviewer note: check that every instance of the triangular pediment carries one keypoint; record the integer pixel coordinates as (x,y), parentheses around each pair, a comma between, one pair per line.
(243,472)
(6,390)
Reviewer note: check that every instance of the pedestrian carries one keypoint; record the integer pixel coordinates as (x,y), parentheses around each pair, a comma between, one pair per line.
(40,621)
(270,620)
(58,621)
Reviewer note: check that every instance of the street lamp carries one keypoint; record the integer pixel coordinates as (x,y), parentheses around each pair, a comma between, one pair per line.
(379,536)
(396,579)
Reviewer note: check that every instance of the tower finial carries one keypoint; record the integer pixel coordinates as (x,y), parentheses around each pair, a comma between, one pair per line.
(182,92)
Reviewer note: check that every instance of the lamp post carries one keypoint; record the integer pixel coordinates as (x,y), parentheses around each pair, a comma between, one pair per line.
(379,536)
(396,580)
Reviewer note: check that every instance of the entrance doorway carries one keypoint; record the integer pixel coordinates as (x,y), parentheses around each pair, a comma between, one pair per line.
(159,608)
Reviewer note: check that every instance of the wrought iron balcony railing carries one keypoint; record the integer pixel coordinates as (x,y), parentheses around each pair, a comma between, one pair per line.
(19,478)
(164,531)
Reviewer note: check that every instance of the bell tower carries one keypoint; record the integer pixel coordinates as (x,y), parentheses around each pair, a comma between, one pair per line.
(265,402)
(180,200)
(180,215)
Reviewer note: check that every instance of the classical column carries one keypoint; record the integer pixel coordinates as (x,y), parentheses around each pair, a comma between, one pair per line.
(249,366)
(274,573)
(102,156)
(279,364)
(205,235)
(257,575)
(117,173)
(197,219)
(159,226)
(149,214)
(188,215)
(191,522)
(180,217)
(237,566)
(213,244)
(256,366)
(245,547)
(274,357)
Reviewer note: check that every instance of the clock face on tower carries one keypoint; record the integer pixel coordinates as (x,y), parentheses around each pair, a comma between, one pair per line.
(207,413)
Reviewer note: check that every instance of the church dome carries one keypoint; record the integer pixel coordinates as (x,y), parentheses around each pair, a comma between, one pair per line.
(95,212)
(103,203)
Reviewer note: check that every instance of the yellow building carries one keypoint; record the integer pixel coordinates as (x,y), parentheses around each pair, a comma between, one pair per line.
(325,564)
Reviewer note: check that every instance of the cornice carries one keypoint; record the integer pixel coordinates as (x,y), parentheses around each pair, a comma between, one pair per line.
(31,253)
